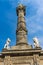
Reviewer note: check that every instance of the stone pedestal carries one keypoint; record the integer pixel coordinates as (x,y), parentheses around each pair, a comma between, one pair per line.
(23,56)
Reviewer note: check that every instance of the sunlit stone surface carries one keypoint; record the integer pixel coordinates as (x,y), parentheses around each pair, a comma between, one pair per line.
(22,53)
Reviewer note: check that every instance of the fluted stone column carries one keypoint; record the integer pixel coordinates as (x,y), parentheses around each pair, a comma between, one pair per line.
(21,32)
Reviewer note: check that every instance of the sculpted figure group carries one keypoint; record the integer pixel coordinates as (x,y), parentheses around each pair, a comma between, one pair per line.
(36,42)
(7,44)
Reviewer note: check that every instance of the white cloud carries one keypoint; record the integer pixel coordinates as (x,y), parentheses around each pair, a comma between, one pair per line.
(35,22)
(37,3)
(24,1)
(34,26)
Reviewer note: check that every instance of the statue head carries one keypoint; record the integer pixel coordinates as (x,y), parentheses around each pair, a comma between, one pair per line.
(8,40)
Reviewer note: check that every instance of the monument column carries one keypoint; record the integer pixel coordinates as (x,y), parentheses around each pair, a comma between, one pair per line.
(21,32)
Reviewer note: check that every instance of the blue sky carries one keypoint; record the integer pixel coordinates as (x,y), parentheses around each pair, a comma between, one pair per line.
(8,20)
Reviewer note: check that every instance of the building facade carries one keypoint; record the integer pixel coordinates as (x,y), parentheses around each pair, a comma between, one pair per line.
(22,53)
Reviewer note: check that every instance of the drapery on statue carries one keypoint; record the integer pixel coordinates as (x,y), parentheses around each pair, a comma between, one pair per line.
(7,44)
(36,42)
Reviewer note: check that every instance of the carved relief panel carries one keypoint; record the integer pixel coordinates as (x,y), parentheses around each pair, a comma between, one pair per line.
(36,59)
(22,60)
